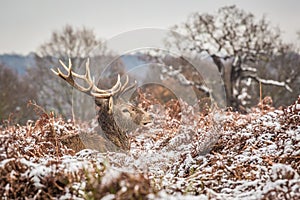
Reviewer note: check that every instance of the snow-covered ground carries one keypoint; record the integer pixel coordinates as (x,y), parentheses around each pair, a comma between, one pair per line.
(223,155)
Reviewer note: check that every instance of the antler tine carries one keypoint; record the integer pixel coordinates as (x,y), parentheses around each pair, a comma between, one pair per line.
(107,93)
(55,72)
(124,88)
(125,84)
(87,75)
(69,77)
(59,72)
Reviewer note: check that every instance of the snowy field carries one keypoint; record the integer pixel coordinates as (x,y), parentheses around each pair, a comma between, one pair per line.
(222,155)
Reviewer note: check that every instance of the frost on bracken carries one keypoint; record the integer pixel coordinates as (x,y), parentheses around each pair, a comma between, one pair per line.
(187,155)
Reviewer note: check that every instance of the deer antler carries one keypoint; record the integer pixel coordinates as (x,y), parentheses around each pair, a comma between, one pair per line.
(92,89)
(104,100)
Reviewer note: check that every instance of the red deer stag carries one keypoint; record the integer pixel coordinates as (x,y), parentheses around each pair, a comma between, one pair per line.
(115,120)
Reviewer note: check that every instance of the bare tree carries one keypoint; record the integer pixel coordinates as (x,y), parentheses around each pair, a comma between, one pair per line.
(69,42)
(283,68)
(73,43)
(235,39)
(15,94)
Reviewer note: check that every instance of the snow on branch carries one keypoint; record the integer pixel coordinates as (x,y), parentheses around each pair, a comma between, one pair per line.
(178,75)
(271,82)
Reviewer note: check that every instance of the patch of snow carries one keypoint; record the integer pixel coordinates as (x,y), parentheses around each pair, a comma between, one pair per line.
(4,162)
(108,197)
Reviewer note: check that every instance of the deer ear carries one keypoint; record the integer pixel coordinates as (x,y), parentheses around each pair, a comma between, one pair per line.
(110,105)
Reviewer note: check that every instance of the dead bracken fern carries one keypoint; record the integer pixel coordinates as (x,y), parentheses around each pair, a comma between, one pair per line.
(220,155)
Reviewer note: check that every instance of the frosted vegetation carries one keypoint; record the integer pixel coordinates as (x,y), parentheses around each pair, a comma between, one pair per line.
(222,155)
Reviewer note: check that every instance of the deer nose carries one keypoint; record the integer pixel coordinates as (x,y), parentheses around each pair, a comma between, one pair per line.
(148,120)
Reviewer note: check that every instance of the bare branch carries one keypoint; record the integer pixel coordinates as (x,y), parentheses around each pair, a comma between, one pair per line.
(270,82)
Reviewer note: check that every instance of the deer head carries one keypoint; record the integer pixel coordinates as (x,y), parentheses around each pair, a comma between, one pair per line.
(115,120)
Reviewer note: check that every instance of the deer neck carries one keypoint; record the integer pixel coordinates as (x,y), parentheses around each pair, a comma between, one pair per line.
(109,125)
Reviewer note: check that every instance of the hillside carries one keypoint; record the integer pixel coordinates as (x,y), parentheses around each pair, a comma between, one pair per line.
(20,63)
(222,155)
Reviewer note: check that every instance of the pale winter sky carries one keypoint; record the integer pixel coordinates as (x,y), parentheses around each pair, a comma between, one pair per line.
(24,25)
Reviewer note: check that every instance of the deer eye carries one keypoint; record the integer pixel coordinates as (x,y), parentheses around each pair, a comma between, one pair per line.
(125,110)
